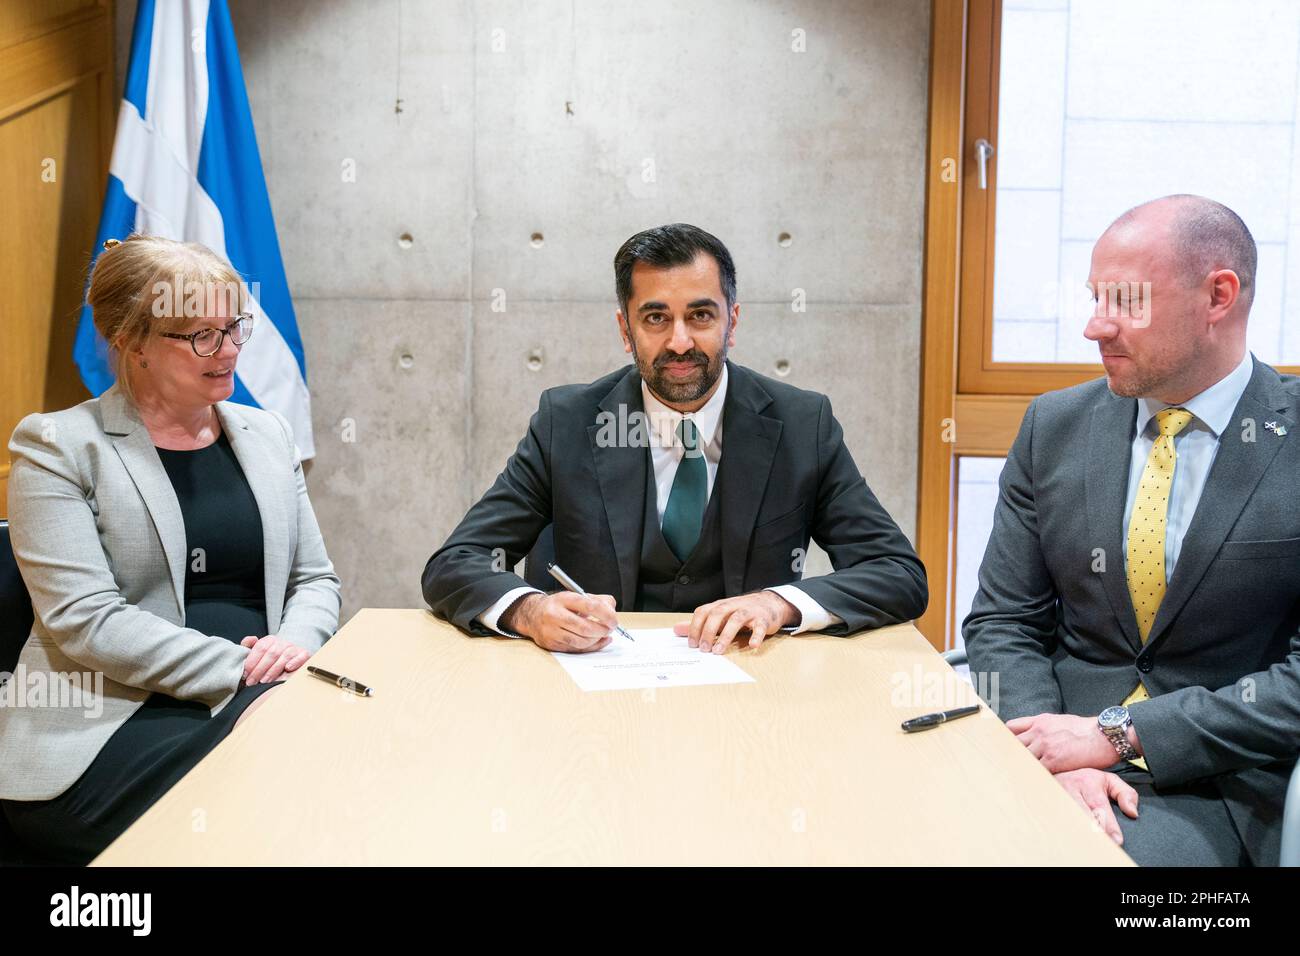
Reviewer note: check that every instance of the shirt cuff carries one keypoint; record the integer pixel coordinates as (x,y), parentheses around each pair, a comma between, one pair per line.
(492,615)
(814,616)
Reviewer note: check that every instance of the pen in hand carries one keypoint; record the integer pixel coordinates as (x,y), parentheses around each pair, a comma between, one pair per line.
(569,584)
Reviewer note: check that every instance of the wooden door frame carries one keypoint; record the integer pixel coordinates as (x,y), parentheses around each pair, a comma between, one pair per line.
(935,470)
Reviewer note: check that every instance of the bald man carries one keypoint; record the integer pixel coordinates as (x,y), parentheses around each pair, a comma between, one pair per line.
(1140,596)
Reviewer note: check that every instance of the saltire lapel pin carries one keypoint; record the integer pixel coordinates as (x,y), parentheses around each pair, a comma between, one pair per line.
(1275,428)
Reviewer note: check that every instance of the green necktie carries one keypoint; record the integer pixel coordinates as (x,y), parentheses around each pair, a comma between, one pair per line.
(685,512)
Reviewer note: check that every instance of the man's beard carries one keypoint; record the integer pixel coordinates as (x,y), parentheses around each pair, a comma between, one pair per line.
(1134,387)
(675,392)
(1151,381)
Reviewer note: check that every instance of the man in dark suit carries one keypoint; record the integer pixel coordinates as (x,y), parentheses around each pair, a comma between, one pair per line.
(682,483)
(1140,596)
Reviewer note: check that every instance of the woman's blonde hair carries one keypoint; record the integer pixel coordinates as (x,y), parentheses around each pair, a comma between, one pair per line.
(147,284)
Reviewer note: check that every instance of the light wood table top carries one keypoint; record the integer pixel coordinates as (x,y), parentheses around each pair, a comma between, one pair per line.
(483,751)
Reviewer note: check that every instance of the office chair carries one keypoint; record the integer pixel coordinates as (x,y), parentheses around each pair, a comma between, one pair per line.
(1291,822)
(15,626)
(15,605)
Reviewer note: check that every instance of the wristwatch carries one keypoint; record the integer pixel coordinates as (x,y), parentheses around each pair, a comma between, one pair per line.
(1114,723)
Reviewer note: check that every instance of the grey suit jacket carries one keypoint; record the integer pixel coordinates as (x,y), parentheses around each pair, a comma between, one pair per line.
(99,538)
(1054,621)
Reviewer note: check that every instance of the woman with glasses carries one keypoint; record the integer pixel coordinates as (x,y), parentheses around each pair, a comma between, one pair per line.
(175,566)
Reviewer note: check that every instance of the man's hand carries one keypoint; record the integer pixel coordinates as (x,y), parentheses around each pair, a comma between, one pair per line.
(1094,790)
(562,621)
(1064,742)
(714,626)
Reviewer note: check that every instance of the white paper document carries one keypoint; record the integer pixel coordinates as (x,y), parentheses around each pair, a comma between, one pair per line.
(657,658)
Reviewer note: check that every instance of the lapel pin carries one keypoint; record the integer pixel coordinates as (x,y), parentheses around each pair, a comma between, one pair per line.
(1275,428)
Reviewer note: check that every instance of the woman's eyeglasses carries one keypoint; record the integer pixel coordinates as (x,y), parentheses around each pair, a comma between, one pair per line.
(208,342)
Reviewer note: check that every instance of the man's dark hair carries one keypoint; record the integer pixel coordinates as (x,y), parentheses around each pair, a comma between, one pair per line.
(666,246)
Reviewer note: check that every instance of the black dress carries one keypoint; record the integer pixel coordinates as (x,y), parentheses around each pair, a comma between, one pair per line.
(225,595)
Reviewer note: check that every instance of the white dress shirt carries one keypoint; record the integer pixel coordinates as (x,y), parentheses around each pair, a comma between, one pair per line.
(665,455)
(1195,447)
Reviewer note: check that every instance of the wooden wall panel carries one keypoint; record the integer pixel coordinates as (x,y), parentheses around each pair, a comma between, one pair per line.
(57,109)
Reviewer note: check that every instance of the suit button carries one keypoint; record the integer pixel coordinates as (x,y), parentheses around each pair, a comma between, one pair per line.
(684,579)
(1145,666)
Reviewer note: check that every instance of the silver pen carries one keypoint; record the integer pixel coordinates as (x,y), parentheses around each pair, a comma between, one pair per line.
(559,574)
(344,683)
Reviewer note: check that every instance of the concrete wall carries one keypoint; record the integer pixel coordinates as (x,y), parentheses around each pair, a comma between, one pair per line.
(471,126)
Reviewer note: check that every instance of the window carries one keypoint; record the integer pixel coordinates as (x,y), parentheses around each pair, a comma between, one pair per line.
(1103,105)
(1089,107)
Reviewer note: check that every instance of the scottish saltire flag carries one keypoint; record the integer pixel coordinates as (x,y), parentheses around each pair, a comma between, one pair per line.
(185,165)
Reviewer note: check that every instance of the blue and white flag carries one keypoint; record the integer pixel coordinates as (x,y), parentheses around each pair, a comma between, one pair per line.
(185,166)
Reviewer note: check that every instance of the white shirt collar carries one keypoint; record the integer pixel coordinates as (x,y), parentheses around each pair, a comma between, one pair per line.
(1213,407)
(663,420)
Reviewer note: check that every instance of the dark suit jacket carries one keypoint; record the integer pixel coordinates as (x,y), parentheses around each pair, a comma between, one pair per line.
(1222,661)
(784,474)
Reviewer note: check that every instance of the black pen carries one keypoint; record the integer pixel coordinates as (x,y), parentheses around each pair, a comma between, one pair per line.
(560,575)
(926,721)
(346,683)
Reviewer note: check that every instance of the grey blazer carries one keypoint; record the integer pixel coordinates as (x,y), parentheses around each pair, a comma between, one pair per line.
(1222,661)
(98,535)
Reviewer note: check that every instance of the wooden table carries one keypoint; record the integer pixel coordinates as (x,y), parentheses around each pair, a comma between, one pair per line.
(483,751)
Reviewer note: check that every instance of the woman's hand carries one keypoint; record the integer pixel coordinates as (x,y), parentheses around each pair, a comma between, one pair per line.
(270,658)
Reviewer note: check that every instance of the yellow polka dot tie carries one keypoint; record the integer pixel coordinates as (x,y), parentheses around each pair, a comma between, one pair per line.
(1146,531)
